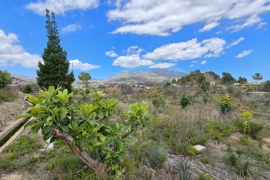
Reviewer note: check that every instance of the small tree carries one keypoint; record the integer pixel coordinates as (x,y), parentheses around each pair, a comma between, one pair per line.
(5,79)
(84,77)
(227,78)
(53,71)
(85,126)
(242,80)
(257,77)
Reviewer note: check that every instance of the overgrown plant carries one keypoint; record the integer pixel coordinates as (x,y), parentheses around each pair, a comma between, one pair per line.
(225,103)
(85,128)
(186,100)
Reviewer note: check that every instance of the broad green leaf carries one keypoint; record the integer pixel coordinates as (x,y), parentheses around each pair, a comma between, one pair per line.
(120,146)
(74,126)
(23,116)
(35,110)
(64,128)
(32,98)
(49,118)
(97,143)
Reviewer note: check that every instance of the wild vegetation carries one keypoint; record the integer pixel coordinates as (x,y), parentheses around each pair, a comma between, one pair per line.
(180,117)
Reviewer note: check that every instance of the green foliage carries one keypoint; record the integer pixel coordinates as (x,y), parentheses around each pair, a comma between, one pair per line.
(246,126)
(241,167)
(158,100)
(53,71)
(213,74)
(205,86)
(242,80)
(227,78)
(184,170)
(8,96)
(87,124)
(84,77)
(234,91)
(24,145)
(204,176)
(156,154)
(226,103)
(267,86)
(186,100)
(200,78)
(5,79)
(216,130)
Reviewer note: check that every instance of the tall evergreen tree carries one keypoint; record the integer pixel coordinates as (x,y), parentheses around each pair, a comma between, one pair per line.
(54,69)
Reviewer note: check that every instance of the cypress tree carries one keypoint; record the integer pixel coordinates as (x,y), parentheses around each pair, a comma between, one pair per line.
(54,69)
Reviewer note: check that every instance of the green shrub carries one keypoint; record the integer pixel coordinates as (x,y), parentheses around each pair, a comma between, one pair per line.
(225,103)
(156,154)
(158,100)
(241,167)
(186,100)
(8,96)
(217,130)
(204,176)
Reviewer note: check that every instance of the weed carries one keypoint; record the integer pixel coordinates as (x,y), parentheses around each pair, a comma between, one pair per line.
(184,170)
(204,176)
(156,154)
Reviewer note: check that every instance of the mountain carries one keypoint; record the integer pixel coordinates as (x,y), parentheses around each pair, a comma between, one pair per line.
(168,74)
(19,78)
(156,75)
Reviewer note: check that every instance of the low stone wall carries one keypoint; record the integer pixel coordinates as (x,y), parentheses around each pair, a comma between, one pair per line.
(10,110)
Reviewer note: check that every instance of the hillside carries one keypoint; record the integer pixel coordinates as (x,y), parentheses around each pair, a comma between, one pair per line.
(156,75)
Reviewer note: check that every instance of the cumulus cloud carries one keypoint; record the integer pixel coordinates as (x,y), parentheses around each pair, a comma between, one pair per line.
(235,42)
(70,28)
(111,54)
(61,6)
(154,17)
(162,65)
(203,62)
(11,53)
(132,59)
(243,54)
(82,66)
(188,50)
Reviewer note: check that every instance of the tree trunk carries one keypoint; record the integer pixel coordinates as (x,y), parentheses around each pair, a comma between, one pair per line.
(95,165)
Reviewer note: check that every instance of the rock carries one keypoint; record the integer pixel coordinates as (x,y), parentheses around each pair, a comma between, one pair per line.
(50,147)
(199,148)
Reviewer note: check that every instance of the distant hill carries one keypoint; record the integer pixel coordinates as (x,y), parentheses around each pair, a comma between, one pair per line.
(156,75)
(168,74)
(19,78)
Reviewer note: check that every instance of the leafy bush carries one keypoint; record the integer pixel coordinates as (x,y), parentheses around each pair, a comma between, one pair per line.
(225,103)
(85,126)
(218,130)
(241,167)
(158,100)
(186,100)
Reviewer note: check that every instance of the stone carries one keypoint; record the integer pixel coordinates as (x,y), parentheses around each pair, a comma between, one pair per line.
(199,148)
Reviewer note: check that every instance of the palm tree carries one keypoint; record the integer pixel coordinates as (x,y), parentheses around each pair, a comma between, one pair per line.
(257,77)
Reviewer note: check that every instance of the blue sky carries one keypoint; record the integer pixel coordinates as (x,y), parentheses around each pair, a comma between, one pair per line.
(107,37)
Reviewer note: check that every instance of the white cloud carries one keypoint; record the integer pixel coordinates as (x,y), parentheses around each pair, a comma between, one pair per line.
(11,53)
(195,62)
(76,64)
(162,65)
(219,32)
(191,65)
(111,54)
(154,17)
(203,62)
(260,25)
(132,59)
(188,50)
(243,54)
(61,6)
(209,26)
(235,42)
(70,28)
(249,22)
